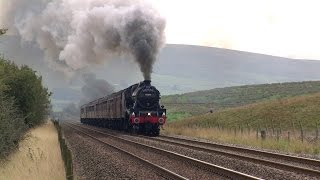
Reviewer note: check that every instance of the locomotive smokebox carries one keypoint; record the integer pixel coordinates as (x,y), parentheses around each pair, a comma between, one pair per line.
(147,82)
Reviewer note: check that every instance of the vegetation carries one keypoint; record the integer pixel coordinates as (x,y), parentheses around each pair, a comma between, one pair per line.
(201,102)
(39,156)
(12,126)
(248,138)
(24,103)
(65,151)
(292,123)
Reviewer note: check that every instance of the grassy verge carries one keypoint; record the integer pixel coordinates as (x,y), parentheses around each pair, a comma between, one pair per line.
(294,145)
(38,157)
(290,124)
(65,151)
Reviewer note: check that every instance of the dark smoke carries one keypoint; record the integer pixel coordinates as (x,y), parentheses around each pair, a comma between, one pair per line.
(94,88)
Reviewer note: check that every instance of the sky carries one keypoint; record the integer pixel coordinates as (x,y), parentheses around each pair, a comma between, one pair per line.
(287,28)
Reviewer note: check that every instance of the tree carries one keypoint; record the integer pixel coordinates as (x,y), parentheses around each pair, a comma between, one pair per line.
(30,96)
(25,86)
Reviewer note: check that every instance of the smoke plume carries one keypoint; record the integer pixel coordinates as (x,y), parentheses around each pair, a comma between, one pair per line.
(94,88)
(77,33)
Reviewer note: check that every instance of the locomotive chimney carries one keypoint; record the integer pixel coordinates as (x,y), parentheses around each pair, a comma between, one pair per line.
(147,82)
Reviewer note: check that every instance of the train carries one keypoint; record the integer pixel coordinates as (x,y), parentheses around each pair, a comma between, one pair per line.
(135,109)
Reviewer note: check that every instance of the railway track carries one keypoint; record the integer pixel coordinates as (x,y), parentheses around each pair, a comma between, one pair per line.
(221,171)
(309,161)
(233,151)
(288,163)
(157,169)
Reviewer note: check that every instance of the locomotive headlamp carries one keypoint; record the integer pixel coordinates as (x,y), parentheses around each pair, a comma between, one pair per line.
(149,114)
(136,120)
(161,120)
(163,114)
(133,114)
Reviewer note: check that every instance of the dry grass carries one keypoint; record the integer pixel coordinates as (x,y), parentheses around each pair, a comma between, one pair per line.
(247,138)
(39,157)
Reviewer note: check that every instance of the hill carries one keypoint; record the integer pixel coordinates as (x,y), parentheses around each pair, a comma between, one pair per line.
(185,68)
(200,102)
(289,124)
(179,69)
(286,114)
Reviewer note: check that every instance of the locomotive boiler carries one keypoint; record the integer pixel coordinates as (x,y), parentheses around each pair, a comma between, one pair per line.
(134,109)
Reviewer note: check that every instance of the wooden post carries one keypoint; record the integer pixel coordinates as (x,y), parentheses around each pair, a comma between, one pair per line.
(301,131)
(263,134)
(241,129)
(317,131)
(280,127)
(272,125)
(293,128)
(289,136)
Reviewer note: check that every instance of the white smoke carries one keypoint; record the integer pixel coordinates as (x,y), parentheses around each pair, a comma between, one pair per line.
(76,33)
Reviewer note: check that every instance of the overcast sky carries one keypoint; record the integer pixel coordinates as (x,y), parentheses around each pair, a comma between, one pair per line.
(288,28)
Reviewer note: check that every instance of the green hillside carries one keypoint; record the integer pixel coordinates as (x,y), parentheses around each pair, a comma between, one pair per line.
(286,113)
(290,124)
(195,103)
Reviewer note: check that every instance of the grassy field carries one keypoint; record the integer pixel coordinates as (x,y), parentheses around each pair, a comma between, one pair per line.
(38,157)
(201,102)
(282,119)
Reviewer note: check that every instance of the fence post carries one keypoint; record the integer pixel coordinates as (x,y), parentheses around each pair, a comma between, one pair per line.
(301,131)
(280,127)
(317,131)
(263,134)
(272,125)
(241,129)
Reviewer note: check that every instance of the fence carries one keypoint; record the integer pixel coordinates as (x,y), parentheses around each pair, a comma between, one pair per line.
(65,151)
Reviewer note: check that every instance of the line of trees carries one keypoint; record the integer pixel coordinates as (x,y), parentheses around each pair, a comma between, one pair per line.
(24,103)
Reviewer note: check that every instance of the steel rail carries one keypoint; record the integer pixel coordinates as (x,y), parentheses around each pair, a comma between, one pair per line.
(157,169)
(282,166)
(291,158)
(229,173)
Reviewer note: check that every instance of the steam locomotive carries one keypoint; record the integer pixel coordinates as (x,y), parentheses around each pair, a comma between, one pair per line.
(134,109)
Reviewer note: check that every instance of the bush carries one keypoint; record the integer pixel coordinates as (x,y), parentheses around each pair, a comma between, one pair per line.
(24,102)
(12,126)
(31,98)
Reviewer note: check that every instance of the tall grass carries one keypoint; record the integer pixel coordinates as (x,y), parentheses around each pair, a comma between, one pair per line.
(291,124)
(248,138)
(38,157)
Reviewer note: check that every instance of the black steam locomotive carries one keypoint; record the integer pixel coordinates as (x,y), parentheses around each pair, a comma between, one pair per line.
(134,109)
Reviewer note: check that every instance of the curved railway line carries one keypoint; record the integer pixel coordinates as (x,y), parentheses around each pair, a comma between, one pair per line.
(302,165)
(291,158)
(205,166)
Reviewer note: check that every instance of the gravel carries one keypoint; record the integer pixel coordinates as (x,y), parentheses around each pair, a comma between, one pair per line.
(93,160)
(180,167)
(257,170)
